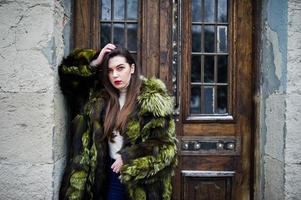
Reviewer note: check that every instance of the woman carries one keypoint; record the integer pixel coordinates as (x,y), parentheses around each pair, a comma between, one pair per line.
(123,133)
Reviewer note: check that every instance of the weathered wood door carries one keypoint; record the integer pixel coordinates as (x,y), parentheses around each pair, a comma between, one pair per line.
(202,49)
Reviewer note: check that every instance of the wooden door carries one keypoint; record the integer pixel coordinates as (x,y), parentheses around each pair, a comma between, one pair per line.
(202,49)
(214,125)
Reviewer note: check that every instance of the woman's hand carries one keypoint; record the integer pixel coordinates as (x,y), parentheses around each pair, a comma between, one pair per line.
(107,49)
(116,166)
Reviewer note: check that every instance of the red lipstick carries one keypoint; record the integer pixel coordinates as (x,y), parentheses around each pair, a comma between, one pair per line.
(117,82)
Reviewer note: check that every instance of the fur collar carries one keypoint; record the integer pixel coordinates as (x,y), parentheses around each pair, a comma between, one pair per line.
(154,98)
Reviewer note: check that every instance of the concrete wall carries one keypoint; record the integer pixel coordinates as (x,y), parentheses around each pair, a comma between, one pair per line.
(32,120)
(280,100)
(292,151)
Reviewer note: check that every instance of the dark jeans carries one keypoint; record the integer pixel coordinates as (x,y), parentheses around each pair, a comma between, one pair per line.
(116,190)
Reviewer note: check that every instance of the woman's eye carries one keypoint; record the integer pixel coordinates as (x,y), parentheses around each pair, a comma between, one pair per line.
(120,68)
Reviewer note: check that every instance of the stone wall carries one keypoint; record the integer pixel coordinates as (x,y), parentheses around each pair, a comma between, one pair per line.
(32,120)
(280,104)
(292,151)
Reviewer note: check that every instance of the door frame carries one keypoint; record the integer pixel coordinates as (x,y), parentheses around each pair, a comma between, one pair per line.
(83,37)
(256,162)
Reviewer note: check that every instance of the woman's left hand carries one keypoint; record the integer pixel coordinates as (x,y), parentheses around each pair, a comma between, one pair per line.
(117,165)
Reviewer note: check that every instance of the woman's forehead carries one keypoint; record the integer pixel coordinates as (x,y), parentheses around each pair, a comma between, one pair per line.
(116,60)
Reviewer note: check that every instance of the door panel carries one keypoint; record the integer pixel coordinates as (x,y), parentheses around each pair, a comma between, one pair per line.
(213,188)
(202,50)
(214,122)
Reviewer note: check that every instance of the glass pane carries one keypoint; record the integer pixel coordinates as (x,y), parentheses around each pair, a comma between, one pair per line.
(119,34)
(119,10)
(132,9)
(208,99)
(222,12)
(196,38)
(196,10)
(209,39)
(222,99)
(195,100)
(209,11)
(222,65)
(222,38)
(106,9)
(209,69)
(195,68)
(105,34)
(132,37)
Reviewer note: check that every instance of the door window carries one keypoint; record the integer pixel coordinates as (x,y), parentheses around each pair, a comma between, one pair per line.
(209,83)
(209,88)
(119,23)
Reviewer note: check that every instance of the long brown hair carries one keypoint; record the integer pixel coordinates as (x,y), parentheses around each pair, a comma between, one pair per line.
(116,118)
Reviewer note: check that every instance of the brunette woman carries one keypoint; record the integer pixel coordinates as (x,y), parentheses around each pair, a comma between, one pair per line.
(123,134)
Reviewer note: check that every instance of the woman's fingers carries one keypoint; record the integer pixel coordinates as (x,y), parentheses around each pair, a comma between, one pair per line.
(116,166)
(110,46)
(107,49)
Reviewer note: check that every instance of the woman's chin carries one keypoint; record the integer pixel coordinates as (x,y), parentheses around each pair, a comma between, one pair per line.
(119,87)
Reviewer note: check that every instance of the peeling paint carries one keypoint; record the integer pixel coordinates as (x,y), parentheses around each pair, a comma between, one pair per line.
(49,52)
(68,26)
(277,21)
(272,37)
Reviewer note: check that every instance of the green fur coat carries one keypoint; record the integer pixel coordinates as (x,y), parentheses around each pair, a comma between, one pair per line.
(149,148)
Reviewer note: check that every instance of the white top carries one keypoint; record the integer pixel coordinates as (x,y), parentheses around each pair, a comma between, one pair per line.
(115,146)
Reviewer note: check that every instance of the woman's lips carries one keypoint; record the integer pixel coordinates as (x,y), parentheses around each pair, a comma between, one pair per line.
(117,82)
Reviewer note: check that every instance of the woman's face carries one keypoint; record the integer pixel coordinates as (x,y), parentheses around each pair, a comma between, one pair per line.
(120,72)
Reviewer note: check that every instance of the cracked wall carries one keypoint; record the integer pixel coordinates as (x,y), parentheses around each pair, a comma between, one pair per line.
(280,100)
(32,121)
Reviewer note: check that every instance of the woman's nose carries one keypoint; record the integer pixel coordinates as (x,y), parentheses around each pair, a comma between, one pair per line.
(115,73)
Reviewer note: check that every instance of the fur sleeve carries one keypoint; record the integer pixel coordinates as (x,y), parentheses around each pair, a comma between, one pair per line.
(76,171)
(77,77)
(163,147)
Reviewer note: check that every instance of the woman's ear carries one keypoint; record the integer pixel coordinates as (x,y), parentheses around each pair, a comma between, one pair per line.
(132,68)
